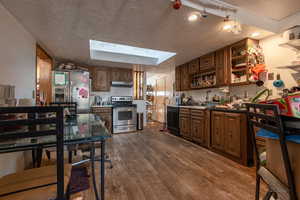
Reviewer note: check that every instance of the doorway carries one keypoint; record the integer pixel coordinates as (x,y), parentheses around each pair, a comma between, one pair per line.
(44,66)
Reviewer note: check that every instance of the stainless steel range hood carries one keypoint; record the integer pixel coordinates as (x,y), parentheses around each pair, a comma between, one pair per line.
(121,84)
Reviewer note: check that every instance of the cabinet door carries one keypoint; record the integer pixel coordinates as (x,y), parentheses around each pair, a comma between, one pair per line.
(185,79)
(121,75)
(217,131)
(207,62)
(101,80)
(198,130)
(185,126)
(194,66)
(222,67)
(115,75)
(177,78)
(232,128)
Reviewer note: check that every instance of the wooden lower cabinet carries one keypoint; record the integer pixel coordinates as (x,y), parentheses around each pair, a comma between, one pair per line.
(105,114)
(193,125)
(223,132)
(217,131)
(229,136)
(198,130)
(185,123)
(233,134)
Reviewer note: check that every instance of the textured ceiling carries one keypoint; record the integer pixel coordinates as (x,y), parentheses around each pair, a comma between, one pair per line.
(64,27)
(275,9)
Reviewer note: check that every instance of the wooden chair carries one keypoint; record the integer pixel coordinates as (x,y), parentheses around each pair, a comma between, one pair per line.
(267,118)
(37,183)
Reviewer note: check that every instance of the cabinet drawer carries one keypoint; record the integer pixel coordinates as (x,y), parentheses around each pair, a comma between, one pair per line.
(101,110)
(184,111)
(197,112)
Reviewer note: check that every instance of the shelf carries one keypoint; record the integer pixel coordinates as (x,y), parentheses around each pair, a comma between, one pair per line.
(239,57)
(213,86)
(293,45)
(239,69)
(293,67)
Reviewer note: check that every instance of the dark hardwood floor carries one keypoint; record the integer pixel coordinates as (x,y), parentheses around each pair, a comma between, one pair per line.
(151,165)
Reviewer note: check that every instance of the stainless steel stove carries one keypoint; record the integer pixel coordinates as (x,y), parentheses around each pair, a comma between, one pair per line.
(124,114)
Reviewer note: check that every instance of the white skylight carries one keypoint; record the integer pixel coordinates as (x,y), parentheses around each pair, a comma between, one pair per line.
(127,54)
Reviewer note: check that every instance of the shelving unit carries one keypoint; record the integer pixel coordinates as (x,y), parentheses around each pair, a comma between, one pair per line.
(239,62)
(150,107)
(203,80)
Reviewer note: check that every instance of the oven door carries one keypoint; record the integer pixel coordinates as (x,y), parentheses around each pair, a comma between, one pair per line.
(124,116)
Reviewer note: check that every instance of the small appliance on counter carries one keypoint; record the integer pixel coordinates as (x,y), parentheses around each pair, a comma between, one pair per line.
(124,114)
(98,101)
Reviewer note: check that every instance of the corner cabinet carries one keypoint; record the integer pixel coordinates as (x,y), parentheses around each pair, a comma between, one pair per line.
(101,79)
(229,136)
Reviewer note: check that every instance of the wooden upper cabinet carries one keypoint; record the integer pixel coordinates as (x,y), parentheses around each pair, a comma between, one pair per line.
(177,78)
(194,66)
(101,79)
(222,66)
(124,75)
(207,62)
(185,77)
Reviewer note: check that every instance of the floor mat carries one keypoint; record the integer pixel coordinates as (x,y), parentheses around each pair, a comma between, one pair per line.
(79,180)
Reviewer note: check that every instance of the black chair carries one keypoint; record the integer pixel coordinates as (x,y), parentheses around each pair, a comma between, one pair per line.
(33,123)
(267,118)
(72,108)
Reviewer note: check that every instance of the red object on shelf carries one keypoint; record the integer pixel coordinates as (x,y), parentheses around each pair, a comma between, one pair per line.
(177,4)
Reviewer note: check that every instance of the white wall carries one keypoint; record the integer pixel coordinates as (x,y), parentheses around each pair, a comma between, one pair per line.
(17,57)
(276,59)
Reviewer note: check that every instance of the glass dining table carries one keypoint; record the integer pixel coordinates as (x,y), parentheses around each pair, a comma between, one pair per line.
(82,129)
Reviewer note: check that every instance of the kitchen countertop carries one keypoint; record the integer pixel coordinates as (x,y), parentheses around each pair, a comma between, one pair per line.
(212,109)
(102,106)
(195,107)
(229,110)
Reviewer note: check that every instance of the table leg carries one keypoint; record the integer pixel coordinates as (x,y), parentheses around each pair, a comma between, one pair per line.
(93,170)
(102,168)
